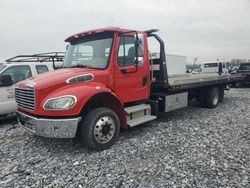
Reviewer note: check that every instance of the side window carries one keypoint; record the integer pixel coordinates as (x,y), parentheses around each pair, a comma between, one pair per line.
(208,65)
(18,73)
(41,69)
(126,54)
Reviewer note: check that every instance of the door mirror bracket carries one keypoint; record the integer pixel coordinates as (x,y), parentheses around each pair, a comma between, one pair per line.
(138,43)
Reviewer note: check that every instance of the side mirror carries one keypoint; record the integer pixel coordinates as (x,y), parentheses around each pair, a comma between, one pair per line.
(139,47)
(140,61)
(6,80)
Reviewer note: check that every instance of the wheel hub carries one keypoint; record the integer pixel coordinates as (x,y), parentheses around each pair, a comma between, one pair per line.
(104,129)
(215,97)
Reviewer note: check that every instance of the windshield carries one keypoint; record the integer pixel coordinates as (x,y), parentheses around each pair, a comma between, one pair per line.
(211,65)
(245,67)
(91,52)
(2,67)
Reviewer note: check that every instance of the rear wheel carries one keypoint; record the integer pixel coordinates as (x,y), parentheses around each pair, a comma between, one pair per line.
(100,128)
(212,97)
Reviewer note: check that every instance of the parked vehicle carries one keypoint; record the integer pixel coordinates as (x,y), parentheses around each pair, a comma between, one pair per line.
(108,83)
(214,66)
(196,71)
(233,70)
(244,69)
(20,68)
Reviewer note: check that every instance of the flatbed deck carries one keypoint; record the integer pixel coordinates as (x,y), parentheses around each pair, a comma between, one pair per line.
(189,81)
(194,78)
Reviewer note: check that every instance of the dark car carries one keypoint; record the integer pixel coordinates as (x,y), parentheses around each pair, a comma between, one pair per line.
(244,69)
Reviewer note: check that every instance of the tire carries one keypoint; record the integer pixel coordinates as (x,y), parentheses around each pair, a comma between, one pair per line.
(100,129)
(213,97)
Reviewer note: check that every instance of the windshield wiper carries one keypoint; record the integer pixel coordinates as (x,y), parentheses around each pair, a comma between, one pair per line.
(79,66)
(84,66)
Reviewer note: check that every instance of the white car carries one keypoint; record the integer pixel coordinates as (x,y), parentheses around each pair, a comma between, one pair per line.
(10,74)
(213,67)
(19,68)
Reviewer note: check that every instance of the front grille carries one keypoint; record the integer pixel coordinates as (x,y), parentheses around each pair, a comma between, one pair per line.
(25,98)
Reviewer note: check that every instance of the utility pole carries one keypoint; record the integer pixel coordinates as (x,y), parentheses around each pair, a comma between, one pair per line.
(195,59)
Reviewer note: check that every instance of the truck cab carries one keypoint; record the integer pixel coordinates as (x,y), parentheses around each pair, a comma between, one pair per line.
(110,57)
(104,71)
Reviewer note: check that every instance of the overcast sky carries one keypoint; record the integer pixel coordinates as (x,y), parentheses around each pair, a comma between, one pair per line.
(207,29)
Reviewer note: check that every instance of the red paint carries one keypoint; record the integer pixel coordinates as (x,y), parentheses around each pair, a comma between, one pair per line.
(124,87)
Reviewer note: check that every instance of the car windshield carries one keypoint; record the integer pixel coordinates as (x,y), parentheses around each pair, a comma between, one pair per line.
(211,65)
(2,67)
(89,52)
(245,67)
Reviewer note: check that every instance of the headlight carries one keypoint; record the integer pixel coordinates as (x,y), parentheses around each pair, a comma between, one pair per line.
(60,103)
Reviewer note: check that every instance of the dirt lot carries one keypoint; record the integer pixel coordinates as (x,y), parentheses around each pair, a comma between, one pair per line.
(191,147)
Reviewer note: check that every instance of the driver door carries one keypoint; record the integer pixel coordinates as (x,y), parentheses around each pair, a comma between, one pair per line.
(131,81)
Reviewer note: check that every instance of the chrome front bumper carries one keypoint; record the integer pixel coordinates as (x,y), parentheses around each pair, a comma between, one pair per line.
(52,128)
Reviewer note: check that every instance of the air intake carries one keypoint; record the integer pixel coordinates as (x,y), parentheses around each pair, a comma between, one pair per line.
(80,78)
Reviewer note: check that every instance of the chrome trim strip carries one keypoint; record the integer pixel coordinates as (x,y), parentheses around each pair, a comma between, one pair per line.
(44,119)
(67,81)
(25,102)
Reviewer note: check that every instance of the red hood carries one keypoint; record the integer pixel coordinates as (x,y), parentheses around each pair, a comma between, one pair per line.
(53,83)
(58,78)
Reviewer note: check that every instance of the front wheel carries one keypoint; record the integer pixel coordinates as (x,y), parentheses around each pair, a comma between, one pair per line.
(100,128)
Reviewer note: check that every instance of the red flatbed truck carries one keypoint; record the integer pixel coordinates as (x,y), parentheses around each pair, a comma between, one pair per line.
(110,82)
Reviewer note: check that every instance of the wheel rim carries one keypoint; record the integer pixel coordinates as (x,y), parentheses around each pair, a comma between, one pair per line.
(104,129)
(215,97)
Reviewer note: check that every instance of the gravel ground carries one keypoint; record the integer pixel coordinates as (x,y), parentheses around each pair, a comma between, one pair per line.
(191,147)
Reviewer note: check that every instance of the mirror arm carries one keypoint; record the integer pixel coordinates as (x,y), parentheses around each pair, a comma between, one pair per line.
(136,49)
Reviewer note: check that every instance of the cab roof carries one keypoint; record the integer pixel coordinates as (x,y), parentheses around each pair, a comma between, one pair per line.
(100,30)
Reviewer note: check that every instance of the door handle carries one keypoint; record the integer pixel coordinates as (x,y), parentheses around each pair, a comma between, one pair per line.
(144,80)
(124,71)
